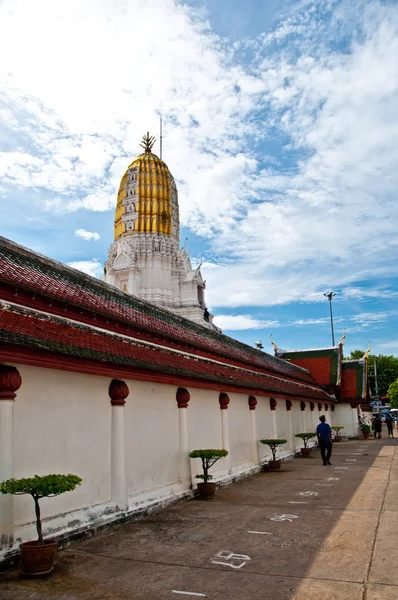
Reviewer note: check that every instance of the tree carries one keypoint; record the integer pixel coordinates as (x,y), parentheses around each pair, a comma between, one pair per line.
(386,366)
(392,394)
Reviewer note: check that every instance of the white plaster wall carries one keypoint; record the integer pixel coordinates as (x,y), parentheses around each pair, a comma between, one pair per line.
(343,415)
(264,425)
(62,425)
(151,436)
(239,428)
(204,426)
(283,428)
(297,424)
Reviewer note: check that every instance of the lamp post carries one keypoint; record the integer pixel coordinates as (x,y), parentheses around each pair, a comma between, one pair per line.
(330,297)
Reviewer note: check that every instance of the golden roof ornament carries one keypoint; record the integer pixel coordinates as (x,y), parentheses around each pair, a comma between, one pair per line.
(341,342)
(273,344)
(148,142)
(367,351)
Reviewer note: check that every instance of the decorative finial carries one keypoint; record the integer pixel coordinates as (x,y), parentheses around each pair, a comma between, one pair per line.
(273,343)
(341,342)
(367,351)
(148,142)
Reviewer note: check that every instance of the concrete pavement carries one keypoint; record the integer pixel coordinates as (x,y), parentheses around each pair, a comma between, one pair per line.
(308,532)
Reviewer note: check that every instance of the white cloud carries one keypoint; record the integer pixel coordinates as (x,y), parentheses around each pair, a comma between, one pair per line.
(319,215)
(87,235)
(91,267)
(241,322)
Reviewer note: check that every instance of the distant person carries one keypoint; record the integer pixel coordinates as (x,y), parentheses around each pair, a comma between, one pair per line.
(324,435)
(389,423)
(206,315)
(377,426)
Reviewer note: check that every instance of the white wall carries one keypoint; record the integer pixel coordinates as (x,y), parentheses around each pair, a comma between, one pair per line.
(264,425)
(62,425)
(151,436)
(239,429)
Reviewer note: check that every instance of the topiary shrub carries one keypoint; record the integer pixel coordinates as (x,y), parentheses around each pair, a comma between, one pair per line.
(208,457)
(305,437)
(40,486)
(273,444)
(337,429)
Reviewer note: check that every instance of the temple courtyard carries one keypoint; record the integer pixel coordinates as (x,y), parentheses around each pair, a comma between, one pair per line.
(308,532)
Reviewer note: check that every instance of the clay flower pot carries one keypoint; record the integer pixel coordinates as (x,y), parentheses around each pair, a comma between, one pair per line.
(274,465)
(37,559)
(306,452)
(206,490)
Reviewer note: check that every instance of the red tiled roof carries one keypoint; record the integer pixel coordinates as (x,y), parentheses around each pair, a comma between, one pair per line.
(30,271)
(26,327)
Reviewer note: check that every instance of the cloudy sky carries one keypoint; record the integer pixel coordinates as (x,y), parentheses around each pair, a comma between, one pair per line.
(281,130)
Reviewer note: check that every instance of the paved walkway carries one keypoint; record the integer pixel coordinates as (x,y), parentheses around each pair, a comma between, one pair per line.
(309,532)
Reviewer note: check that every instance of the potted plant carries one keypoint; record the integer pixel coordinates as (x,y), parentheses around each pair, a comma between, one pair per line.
(305,437)
(209,457)
(274,464)
(37,556)
(337,429)
(365,428)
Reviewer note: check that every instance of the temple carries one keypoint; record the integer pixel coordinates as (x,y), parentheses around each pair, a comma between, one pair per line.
(116,381)
(145,258)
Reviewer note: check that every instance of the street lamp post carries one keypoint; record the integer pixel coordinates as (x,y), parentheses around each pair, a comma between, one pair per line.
(330,297)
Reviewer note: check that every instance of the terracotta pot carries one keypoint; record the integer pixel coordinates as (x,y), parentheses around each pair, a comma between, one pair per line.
(274,465)
(37,559)
(306,452)
(365,435)
(206,490)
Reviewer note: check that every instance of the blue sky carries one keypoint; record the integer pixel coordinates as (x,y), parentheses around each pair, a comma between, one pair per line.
(281,130)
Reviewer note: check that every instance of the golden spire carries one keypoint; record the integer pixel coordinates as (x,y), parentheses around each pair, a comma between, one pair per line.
(341,342)
(148,142)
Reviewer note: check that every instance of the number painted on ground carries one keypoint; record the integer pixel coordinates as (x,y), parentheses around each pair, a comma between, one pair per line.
(230,559)
(284,517)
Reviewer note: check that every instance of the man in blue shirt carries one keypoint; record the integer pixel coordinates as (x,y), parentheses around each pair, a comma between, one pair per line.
(324,435)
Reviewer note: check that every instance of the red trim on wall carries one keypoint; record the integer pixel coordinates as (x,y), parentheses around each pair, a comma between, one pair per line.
(273,403)
(252,402)
(61,362)
(182,397)
(302,405)
(223,400)
(10,382)
(288,405)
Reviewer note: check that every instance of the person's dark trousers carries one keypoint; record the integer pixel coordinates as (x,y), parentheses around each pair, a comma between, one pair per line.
(389,427)
(326,452)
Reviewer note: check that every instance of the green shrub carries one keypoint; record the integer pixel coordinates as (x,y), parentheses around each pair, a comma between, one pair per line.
(365,428)
(273,444)
(305,437)
(40,486)
(209,457)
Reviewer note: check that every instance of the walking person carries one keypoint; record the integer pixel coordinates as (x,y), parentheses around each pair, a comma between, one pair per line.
(389,423)
(324,435)
(377,426)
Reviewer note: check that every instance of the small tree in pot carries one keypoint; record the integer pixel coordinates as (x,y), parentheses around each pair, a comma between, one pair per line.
(209,457)
(305,437)
(274,464)
(337,429)
(38,556)
(365,428)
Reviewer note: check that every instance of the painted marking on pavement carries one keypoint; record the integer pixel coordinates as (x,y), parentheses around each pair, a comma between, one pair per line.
(284,518)
(189,593)
(333,478)
(308,493)
(324,484)
(341,468)
(351,460)
(260,532)
(241,559)
(292,502)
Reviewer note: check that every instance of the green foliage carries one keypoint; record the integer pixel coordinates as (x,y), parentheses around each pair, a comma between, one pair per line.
(386,366)
(392,394)
(365,428)
(305,437)
(208,453)
(40,486)
(273,444)
(208,456)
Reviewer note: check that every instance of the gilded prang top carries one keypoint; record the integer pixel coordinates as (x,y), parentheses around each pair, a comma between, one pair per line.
(147,200)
